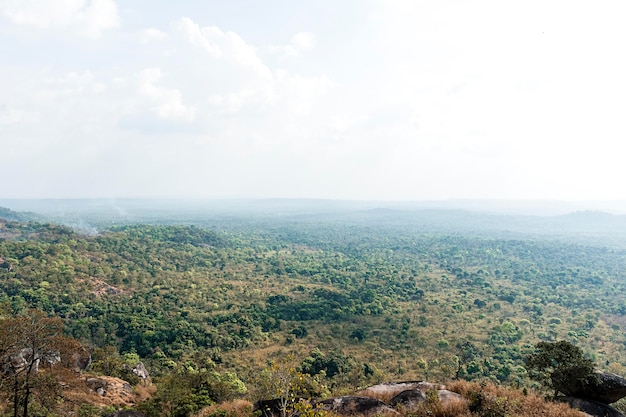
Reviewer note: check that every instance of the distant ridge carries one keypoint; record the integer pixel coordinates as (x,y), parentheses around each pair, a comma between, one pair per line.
(592,215)
(15,216)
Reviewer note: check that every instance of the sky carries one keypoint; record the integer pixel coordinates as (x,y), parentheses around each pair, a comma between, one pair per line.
(350,99)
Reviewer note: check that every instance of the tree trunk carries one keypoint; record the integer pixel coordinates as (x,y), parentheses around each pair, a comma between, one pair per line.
(26,395)
(16,397)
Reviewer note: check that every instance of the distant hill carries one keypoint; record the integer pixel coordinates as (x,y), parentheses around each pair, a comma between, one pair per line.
(16,216)
(591,224)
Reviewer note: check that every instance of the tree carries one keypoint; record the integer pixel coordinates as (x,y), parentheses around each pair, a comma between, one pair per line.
(29,341)
(467,352)
(560,366)
(187,390)
(282,382)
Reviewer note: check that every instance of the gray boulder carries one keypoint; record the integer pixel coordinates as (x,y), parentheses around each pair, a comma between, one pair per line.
(97,384)
(608,389)
(592,408)
(351,405)
(408,399)
(29,360)
(389,390)
(141,371)
(446,397)
(80,359)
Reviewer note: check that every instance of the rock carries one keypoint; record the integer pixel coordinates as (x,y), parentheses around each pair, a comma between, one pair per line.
(51,357)
(351,405)
(16,362)
(80,360)
(141,371)
(25,359)
(97,384)
(609,389)
(446,397)
(592,408)
(411,398)
(388,390)
(112,388)
(408,399)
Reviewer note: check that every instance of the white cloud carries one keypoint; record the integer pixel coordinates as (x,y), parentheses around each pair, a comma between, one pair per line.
(223,45)
(419,100)
(202,37)
(166,102)
(151,35)
(86,18)
(302,93)
(225,75)
(11,116)
(303,41)
(300,42)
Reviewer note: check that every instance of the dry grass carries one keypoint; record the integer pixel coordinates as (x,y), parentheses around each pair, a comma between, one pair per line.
(438,409)
(144,391)
(235,408)
(76,391)
(494,401)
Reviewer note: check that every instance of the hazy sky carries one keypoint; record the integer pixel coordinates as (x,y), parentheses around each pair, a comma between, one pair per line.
(350,99)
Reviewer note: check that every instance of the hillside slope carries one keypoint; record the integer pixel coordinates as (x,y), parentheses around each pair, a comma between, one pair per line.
(376,299)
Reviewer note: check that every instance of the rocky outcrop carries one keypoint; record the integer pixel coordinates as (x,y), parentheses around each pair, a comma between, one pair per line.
(139,370)
(351,405)
(594,398)
(446,397)
(608,389)
(80,360)
(592,408)
(26,358)
(378,399)
(408,399)
(111,387)
(389,390)
(411,398)
(99,385)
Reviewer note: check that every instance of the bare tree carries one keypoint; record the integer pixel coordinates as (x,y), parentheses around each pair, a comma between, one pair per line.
(28,342)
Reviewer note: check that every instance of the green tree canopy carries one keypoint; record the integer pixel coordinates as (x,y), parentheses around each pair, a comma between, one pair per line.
(560,366)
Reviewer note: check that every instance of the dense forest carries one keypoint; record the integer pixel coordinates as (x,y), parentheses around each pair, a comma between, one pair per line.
(355,299)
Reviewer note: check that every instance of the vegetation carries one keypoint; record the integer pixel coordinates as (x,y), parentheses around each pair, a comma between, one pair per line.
(29,342)
(211,306)
(561,366)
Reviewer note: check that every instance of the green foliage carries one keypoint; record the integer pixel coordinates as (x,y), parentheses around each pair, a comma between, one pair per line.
(283,381)
(187,391)
(331,365)
(371,295)
(107,361)
(561,366)
(306,409)
(89,410)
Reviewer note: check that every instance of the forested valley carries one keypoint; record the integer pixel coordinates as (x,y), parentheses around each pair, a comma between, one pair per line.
(211,304)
